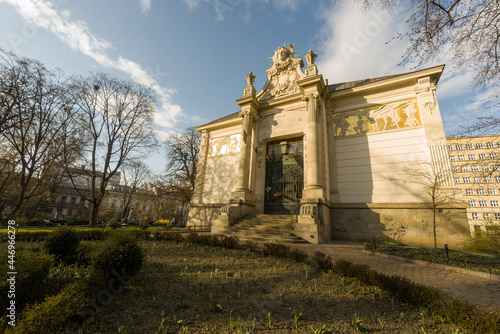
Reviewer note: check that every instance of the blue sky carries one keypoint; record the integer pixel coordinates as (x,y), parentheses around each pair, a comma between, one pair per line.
(195,54)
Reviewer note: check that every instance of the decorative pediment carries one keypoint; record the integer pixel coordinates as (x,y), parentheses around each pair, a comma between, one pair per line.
(283,75)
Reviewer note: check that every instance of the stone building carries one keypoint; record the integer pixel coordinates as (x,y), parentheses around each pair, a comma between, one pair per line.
(334,157)
(475,164)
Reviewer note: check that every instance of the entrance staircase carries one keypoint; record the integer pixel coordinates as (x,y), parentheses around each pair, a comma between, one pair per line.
(265,228)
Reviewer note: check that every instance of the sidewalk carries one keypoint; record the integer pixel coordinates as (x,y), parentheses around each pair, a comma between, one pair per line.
(480,291)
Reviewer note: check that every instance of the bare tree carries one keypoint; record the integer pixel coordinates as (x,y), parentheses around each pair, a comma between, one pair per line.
(435,186)
(182,156)
(117,117)
(134,173)
(39,116)
(466,30)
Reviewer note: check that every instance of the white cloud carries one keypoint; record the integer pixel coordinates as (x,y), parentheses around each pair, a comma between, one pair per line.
(145,6)
(223,7)
(79,38)
(354,46)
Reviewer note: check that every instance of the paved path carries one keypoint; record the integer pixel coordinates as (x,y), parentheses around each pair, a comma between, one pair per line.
(477,290)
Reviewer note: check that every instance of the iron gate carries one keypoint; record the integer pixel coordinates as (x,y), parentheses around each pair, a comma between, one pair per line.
(284,177)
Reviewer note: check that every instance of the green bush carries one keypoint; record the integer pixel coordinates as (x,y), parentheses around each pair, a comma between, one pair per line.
(63,244)
(52,315)
(32,269)
(120,252)
(322,261)
(229,242)
(297,255)
(484,243)
(144,225)
(278,250)
(252,246)
(113,224)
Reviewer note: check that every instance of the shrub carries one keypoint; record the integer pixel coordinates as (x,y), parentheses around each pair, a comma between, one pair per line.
(163,222)
(484,243)
(143,225)
(297,255)
(322,261)
(121,253)
(229,242)
(63,244)
(278,250)
(33,268)
(113,224)
(55,312)
(252,246)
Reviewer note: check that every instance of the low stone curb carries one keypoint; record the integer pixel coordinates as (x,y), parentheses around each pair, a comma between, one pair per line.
(464,271)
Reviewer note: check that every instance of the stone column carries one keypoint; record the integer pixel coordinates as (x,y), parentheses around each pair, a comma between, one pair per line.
(312,175)
(245,146)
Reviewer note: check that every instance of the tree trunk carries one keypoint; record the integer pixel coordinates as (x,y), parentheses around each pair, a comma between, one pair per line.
(434,226)
(93,214)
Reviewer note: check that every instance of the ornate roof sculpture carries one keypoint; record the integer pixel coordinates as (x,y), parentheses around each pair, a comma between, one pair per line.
(283,75)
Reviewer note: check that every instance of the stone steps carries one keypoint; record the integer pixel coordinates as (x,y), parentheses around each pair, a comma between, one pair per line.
(264,227)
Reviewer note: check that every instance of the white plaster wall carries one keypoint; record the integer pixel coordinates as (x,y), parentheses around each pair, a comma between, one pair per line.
(221,174)
(374,168)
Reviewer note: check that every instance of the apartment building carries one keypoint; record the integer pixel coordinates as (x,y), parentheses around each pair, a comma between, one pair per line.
(475,164)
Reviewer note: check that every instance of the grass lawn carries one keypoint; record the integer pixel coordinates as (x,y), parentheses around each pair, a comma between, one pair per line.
(188,288)
(485,263)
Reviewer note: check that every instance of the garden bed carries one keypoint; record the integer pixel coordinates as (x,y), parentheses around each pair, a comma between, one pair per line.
(474,262)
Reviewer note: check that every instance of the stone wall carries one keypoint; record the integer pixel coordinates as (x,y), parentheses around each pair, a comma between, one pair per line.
(360,221)
(202,215)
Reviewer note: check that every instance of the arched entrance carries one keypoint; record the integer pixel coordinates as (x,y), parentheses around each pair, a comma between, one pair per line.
(284,176)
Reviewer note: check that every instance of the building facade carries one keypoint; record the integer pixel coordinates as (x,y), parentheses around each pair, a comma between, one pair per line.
(475,164)
(338,156)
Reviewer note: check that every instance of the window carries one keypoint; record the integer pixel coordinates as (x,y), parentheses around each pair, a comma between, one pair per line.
(478,179)
(496,167)
(461,157)
(483,204)
(479,145)
(459,147)
(488,179)
(480,191)
(469,191)
(452,158)
(450,147)
(491,192)
(469,146)
(472,203)
(498,178)
(486,167)
(490,145)
(475,168)
(493,155)
(472,157)
(454,168)
(486,216)
(497,215)
(482,156)
(494,204)
(475,216)
(465,168)
(466,179)
(457,180)
(63,199)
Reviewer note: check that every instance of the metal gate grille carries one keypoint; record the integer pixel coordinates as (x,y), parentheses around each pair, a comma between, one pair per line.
(284,179)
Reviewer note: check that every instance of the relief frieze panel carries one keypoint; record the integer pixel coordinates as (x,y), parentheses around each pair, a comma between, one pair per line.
(224,145)
(390,116)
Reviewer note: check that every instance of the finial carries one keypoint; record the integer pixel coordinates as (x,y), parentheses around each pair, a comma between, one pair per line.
(250,79)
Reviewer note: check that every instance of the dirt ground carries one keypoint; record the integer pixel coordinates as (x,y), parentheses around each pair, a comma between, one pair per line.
(186,288)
